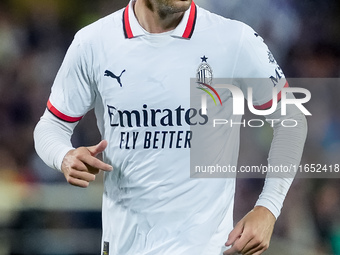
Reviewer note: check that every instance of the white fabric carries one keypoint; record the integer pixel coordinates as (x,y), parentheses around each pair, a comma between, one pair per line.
(150,205)
(286,150)
(52,138)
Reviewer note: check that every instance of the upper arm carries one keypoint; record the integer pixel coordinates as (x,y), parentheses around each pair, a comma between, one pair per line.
(257,68)
(73,92)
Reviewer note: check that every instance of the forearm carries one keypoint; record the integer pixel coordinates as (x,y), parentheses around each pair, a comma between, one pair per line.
(286,150)
(52,139)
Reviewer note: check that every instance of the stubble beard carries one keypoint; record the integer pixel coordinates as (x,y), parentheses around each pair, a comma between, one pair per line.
(169,7)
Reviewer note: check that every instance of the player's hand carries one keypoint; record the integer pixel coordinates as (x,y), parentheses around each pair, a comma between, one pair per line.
(80,165)
(251,235)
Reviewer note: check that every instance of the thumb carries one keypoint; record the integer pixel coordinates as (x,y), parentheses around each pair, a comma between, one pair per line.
(99,148)
(234,234)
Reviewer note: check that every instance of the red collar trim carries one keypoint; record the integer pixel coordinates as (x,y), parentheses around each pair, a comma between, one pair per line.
(126,23)
(189,30)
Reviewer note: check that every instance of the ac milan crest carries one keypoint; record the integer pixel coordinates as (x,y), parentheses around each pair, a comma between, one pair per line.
(204,72)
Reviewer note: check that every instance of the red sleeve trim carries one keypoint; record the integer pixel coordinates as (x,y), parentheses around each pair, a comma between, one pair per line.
(191,22)
(60,115)
(270,103)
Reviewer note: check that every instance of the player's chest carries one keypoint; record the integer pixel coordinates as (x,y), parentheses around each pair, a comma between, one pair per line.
(136,75)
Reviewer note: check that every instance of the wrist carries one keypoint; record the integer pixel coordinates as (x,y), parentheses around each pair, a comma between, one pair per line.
(264,211)
(60,158)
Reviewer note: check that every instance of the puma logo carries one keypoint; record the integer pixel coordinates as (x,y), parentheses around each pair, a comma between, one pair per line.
(112,75)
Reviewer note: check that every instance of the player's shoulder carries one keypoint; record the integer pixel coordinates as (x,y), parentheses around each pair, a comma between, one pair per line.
(207,19)
(106,26)
(216,23)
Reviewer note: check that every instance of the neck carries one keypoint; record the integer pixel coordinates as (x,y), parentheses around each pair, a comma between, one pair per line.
(154,20)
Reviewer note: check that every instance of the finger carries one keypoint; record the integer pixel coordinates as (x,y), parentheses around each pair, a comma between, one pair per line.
(250,248)
(234,234)
(254,247)
(95,163)
(75,165)
(92,170)
(236,247)
(230,251)
(258,252)
(99,148)
(241,244)
(77,182)
(85,176)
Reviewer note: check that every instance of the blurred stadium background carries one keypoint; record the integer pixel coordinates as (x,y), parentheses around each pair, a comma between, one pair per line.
(41,214)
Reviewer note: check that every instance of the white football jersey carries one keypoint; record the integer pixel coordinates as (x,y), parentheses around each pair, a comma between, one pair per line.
(139,85)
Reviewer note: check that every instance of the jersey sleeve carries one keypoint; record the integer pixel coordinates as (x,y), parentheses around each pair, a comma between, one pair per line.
(73,92)
(257,68)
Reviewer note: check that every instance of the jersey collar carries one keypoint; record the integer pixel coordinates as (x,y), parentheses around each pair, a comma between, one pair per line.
(184,29)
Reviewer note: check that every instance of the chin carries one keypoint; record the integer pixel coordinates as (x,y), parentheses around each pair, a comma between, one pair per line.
(180,5)
(166,7)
